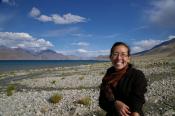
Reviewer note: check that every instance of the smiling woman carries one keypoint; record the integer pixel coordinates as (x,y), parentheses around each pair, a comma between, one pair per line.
(123,87)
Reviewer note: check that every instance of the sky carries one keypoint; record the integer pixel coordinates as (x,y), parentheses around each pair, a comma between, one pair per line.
(85,27)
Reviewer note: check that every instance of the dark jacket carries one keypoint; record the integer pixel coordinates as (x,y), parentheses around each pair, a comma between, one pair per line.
(130,90)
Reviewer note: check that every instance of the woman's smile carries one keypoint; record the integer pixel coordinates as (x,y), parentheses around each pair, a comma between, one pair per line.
(120,57)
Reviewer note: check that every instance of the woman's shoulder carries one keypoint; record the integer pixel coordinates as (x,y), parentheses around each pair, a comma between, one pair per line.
(137,75)
(133,69)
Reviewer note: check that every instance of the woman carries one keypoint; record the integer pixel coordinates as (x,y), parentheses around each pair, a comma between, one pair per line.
(123,87)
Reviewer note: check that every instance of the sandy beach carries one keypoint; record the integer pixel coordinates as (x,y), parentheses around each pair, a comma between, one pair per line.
(34,88)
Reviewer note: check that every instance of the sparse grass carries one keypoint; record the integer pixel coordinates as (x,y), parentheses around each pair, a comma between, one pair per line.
(55,98)
(12,73)
(53,82)
(66,74)
(1,75)
(161,107)
(102,73)
(85,101)
(81,87)
(81,78)
(156,70)
(10,90)
(173,66)
(157,77)
(62,78)
(99,112)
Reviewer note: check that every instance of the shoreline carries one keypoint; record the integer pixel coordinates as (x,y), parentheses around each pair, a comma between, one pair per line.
(17,65)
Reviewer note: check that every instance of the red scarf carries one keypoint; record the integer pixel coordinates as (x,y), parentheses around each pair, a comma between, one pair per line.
(113,78)
(111,81)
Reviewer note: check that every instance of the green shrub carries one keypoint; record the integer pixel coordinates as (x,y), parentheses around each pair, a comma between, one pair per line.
(9,93)
(55,98)
(81,78)
(81,87)
(62,78)
(85,101)
(1,75)
(102,73)
(10,90)
(12,73)
(53,82)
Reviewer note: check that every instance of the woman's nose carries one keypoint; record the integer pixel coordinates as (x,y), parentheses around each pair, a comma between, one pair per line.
(119,56)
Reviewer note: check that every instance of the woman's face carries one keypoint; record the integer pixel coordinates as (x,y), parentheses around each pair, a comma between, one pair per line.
(119,57)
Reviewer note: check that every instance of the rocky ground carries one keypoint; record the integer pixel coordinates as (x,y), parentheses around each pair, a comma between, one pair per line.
(32,89)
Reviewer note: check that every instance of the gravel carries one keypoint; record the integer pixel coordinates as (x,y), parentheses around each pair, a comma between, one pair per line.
(35,87)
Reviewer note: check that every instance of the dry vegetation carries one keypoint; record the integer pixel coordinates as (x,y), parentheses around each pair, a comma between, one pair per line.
(74,84)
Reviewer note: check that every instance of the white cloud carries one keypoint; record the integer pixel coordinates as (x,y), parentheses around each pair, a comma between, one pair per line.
(23,40)
(136,49)
(144,45)
(82,51)
(15,36)
(82,35)
(81,44)
(34,12)
(67,19)
(56,18)
(162,13)
(44,18)
(5,1)
(85,53)
(9,2)
(171,37)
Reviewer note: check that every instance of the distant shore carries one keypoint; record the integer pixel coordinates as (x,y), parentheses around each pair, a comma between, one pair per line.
(15,65)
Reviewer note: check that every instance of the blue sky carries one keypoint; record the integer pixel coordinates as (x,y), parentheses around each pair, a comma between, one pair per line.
(85,27)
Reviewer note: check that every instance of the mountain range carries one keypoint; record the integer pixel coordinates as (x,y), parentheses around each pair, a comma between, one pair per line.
(22,54)
(166,48)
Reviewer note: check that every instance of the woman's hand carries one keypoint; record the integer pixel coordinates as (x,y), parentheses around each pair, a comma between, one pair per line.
(122,108)
(135,114)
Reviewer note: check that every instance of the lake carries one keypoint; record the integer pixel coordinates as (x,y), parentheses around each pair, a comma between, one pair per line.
(12,65)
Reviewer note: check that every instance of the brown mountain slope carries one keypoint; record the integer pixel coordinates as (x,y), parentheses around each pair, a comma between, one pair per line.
(166,48)
(21,54)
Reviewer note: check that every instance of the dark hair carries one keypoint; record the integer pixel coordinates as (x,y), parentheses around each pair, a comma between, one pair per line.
(118,44)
